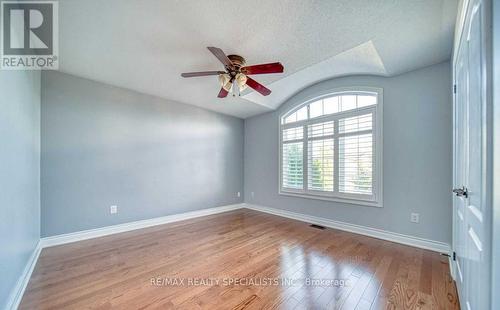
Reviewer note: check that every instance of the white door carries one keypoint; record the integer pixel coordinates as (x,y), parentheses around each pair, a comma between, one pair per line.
(460,154)
(471,223)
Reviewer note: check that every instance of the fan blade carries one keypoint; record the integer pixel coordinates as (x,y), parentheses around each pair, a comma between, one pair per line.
(274,67)
(258,87)
(202,73)
(223,93)
(221,56)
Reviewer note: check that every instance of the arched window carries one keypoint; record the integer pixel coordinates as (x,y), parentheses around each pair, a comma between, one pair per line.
(331,147)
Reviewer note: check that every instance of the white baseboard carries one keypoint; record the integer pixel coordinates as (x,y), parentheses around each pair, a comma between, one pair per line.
(18,291)
(427,244)
(109,230)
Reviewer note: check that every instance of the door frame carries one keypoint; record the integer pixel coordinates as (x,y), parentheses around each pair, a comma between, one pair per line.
(495,298)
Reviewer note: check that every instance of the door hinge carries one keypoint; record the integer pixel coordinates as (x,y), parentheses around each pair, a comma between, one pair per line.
(453,255)
(454,88)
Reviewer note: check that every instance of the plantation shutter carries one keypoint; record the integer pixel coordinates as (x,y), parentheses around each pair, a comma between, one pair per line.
(356,156)
(320,157)
(292,158)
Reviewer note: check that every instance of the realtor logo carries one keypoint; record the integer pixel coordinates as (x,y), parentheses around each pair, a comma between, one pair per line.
(29,35)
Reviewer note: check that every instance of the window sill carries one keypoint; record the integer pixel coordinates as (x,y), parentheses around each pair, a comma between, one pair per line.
(359,202)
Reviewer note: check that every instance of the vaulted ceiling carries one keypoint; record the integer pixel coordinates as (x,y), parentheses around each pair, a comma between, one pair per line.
(145,45)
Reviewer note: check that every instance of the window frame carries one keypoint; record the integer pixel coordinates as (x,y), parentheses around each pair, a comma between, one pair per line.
(375,200)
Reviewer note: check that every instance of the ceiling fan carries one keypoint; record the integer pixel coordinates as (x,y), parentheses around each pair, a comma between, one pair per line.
(236,77)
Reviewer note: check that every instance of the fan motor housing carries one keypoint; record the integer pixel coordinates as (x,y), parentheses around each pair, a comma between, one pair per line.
(237,60)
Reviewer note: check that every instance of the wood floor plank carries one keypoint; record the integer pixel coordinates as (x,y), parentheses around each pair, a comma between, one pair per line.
(241,259)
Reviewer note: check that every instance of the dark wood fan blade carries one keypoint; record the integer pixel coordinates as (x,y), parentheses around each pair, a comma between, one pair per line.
(258,87)
(274,67)
(202,73)
(223,93)
(221,56)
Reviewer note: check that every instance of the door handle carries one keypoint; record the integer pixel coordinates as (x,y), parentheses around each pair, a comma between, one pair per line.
(461,192)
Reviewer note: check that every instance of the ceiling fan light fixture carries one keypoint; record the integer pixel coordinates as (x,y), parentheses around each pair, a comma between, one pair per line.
(227,86)
(225,82)
(241,80)
(224,79)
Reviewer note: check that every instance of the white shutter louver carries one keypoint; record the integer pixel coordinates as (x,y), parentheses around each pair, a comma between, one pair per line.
(293,174)
(356,155)
(320,157)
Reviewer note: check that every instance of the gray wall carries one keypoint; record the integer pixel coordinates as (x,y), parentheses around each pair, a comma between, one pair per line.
(19,175)
(103,146)
(417,156)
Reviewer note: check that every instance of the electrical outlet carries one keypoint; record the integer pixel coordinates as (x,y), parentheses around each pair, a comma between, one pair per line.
(238,194)
(414,217)
(113,209)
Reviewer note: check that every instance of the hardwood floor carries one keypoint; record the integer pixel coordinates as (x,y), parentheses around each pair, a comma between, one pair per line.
(246,260)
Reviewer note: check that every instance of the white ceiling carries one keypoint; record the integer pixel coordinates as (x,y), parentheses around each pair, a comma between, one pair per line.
(145,45)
